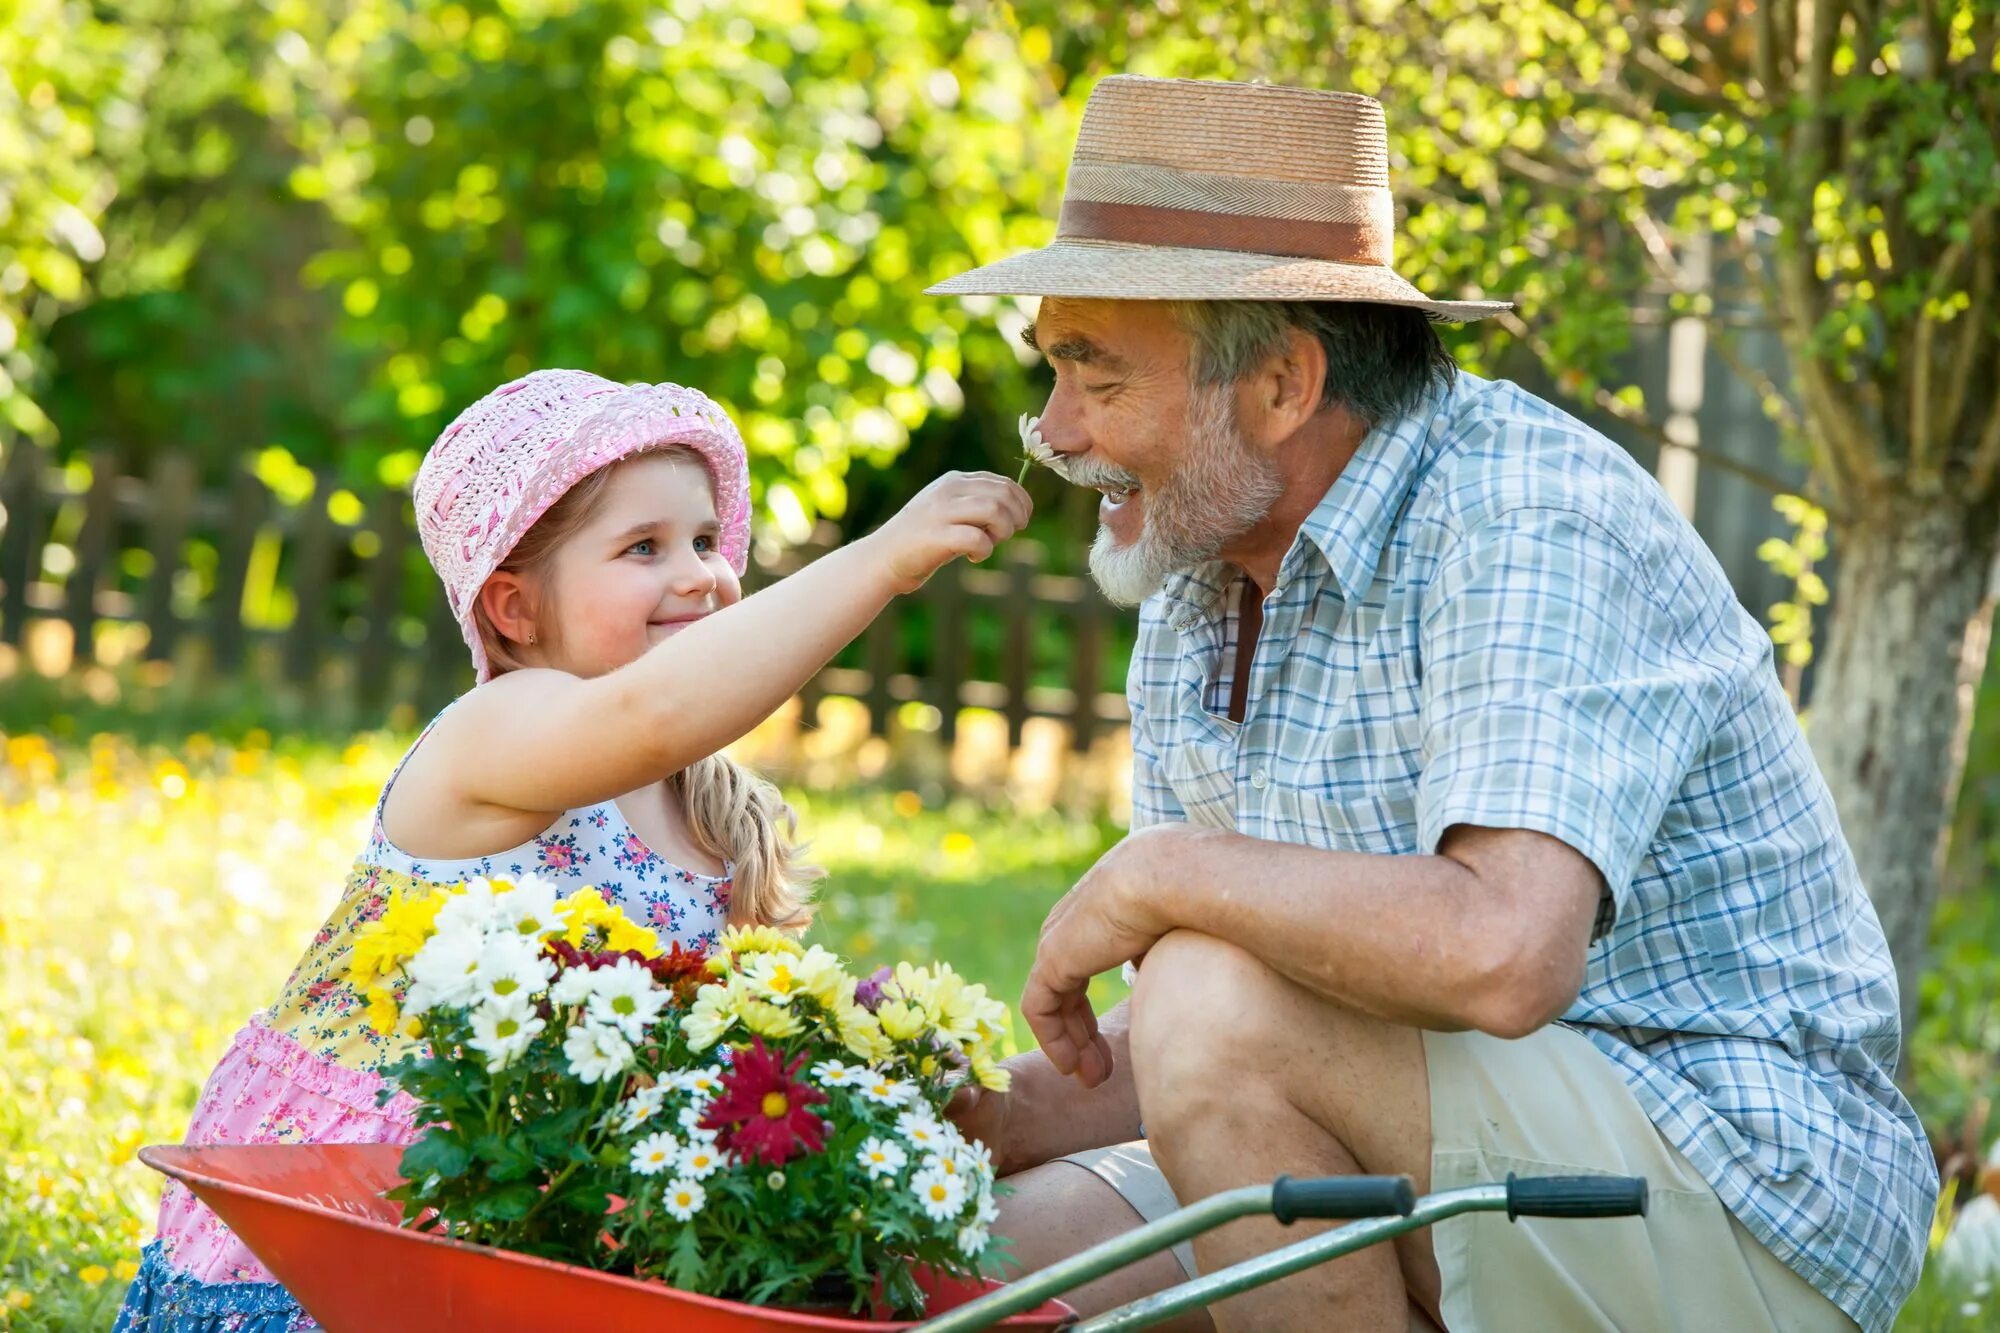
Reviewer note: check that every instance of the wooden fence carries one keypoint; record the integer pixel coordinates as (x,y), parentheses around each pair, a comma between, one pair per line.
(327,589)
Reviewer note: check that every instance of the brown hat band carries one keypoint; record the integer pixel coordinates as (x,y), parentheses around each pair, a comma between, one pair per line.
(1199,229)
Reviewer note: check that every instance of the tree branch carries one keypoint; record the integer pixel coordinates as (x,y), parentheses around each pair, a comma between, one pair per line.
(1603,400)
(1986,456)
(1976,316)
(1924,427)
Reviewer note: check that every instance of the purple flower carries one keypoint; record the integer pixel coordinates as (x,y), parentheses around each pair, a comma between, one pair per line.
(869,993)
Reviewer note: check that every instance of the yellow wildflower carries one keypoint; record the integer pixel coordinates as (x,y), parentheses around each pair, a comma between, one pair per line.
(901,1020)
(988,1072)
(125,1270)
(862,1034)
(17,1299)
(92,1274)
(624,933)
(767,1019)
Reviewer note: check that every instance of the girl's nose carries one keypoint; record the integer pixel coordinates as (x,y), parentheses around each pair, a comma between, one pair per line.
(690,576)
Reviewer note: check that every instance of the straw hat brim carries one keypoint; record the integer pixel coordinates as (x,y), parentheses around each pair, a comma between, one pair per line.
(1112,270)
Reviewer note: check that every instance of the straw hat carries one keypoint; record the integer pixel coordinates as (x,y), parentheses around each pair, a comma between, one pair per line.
(1189,189)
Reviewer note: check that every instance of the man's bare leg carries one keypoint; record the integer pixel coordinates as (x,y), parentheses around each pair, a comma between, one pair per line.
(1059,1209)
(1244,1076)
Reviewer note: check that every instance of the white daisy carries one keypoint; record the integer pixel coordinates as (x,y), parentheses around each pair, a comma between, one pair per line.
(512,965)
(940,1195)
(502,1029)
(444,974)
(574,986)
(596,1053)
(881,1157)
(626,997)
(467,910)
(699,1160)
(528,908)
(655,1153)
(689,1118)
(684,1197)
(986,1212)
(640,1107)
(883,1090)
(835,1074)
(703,1083)
(972,1240)
(944,1162)
(922,1129)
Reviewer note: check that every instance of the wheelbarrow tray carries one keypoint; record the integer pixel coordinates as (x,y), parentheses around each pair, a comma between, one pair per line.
(315,1216)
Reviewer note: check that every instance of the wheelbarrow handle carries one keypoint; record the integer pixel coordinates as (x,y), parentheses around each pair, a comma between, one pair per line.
(1342,1197)
(1575,1196)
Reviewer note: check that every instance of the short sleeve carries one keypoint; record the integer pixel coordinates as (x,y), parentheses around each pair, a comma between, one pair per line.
(1557,695)
(1153,800)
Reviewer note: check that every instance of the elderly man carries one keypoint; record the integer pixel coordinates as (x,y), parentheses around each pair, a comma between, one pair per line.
(1471,831)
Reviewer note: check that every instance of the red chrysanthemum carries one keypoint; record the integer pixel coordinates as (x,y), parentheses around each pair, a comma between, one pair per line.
(683,971)
(764,1112)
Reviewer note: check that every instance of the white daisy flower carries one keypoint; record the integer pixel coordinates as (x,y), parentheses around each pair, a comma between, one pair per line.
(655,1153)
(574,986)
(703,1083)
(626,997)
(684,1197)
(986,1212)
(510,966)
(1032,442)
(940,1195)
(972,1240)
(596,1053)
(640,1107)
(881,1157)
(689,1118)
(444,974)
(699,1160)
(528,908)
(883,1090)
(502,1030)
(922,1129)
(467,910)
(835,1074)
(944,1162)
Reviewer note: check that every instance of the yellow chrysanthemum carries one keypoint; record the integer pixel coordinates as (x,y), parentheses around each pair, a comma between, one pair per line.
(740,940)
(861,1034)
(582,911)
(901,1020)
(988,1072)
(625,933)
(712,1014)
(383,945)
(383,1012)
(768,1020)
(782,977)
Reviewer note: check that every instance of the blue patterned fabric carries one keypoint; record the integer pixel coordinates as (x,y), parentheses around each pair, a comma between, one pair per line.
(163,1301)
(1495,617)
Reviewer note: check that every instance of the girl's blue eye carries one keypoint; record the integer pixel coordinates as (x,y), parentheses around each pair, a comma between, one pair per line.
(640,547)
(703,545)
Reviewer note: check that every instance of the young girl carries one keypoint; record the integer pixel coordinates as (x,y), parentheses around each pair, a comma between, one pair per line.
(586,533)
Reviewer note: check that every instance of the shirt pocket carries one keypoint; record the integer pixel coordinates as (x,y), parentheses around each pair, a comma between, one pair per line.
(1347,804)
(1202,774)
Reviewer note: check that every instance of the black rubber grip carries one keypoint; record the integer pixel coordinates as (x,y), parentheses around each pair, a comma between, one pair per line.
(1576,1196)
(1342,1196)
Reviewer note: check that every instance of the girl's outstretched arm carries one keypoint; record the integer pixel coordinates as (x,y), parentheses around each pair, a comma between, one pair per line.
(544,741)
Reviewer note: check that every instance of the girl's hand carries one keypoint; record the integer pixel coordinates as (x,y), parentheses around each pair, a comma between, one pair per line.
(961,513)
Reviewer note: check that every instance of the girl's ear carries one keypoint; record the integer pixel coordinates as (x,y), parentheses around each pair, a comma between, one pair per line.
(508,606)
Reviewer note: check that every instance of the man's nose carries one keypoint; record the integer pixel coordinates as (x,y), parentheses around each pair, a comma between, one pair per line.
(1062,426)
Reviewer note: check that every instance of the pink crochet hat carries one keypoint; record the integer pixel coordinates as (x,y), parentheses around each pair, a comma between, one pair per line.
(515,452)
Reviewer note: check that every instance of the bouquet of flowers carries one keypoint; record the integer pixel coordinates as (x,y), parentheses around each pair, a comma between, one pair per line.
(758,1125)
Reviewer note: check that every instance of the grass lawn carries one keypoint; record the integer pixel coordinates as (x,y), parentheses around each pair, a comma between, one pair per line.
(154,896)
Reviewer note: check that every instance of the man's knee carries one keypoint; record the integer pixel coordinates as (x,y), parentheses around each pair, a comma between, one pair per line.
(1200,1005)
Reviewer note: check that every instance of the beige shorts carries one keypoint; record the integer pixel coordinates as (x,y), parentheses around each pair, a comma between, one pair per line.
(1552,1104)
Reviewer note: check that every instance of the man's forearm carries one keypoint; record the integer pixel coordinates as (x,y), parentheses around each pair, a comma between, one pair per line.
(1049,1114)
(1422,940)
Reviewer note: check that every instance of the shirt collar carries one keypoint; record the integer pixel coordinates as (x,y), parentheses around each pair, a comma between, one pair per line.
(1352,522)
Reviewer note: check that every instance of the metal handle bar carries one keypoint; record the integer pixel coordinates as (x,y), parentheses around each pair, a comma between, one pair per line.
(1540,1196)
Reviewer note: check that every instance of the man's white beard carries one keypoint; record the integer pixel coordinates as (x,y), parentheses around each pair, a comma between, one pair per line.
(1222,490)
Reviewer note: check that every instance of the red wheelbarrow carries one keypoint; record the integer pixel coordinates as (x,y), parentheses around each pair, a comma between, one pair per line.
(297,1205)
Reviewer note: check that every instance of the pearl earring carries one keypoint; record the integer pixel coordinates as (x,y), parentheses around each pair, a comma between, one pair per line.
(531,636)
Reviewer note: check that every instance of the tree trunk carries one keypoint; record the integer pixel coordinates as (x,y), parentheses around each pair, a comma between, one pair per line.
(1892,703)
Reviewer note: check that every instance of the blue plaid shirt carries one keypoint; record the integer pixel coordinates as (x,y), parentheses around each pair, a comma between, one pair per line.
(1495,617)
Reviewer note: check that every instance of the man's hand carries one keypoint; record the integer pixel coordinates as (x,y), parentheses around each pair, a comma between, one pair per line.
(1112,916)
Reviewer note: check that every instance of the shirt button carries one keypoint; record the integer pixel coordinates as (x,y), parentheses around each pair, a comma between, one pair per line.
(1260,779)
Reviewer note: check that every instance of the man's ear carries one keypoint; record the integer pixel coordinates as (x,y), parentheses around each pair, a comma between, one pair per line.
(1284,393)
(508,607)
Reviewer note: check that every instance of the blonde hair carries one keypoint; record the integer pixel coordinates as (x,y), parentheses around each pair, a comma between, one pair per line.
(731,813)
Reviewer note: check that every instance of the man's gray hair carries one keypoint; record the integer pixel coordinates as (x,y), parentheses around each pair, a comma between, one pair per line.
(1381,360)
